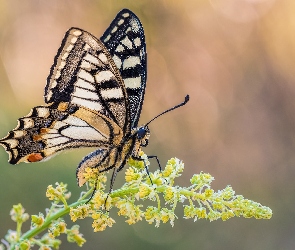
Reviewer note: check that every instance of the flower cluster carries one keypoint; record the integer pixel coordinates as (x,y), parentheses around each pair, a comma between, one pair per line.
(52,222)
(201,202)
(59,193)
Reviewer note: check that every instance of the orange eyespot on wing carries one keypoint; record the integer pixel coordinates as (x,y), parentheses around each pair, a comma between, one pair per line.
(34,157)
(58,131)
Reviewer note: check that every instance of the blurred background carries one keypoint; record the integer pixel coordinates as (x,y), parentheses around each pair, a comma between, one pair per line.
(235,58)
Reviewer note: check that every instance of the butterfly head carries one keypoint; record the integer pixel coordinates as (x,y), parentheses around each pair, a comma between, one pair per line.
(143,135)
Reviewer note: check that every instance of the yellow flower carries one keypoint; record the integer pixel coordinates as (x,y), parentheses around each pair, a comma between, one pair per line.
(44,247)
(58,193)
(167,215)
(25,245)
(130,175)
(101,221)
(135,163)
(227,215)
(73,235)
(90,173)
(57,228)
(98,199)
(18,214)
(153,214)
(38,220)
(201,213)
(208,193)
(189,211)
(214,215)
(168,170)
(201,179)
(144,191)
(169,194)
(80,212)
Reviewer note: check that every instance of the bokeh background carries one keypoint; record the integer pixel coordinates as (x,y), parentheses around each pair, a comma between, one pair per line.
(236,59)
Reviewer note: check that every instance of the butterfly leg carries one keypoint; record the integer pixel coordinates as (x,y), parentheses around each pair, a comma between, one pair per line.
(113,179)
(111,185)
(145,166)
(93,192)
(154,156)
(115,171)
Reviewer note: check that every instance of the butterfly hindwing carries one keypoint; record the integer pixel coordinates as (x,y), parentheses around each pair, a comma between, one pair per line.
(50,129)
(125,41)
(95,158)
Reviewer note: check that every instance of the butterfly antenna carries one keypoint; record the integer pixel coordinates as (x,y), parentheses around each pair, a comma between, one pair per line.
(186,99)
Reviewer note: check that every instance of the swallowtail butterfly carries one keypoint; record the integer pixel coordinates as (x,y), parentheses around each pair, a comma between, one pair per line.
(94,95)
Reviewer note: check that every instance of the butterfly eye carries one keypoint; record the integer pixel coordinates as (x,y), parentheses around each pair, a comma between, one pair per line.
(141,132)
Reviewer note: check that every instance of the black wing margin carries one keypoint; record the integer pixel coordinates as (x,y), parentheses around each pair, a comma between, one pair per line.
(125,41)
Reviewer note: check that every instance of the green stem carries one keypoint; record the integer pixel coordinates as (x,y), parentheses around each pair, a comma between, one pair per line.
(63,200)
(86,194)
(50,210)
(122,192)
(186,193)
(37,230)
(158,201)
(18,228)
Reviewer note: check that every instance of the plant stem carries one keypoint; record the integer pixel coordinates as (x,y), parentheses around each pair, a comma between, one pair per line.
(36,230)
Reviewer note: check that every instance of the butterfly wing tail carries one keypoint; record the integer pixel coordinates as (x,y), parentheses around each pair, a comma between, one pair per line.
(22,143)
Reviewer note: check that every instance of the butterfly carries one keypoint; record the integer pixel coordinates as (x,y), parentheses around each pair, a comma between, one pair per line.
(94,95)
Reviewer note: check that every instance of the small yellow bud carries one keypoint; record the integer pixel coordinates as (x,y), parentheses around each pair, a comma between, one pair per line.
(101,221)
(144,191)
(208,193)
(169,194)
(80,212)
(168,170)
(25,245)
(73,235)
(38,220)
(18,214)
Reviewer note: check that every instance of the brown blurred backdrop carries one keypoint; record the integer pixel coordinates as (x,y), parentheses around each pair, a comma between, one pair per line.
(235,58)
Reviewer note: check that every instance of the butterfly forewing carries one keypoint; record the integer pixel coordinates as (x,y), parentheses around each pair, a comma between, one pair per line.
(84,74)
(125,41)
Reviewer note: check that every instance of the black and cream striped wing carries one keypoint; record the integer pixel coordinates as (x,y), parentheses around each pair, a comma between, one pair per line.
(125,41)
(87,99)
(47,130)
(84,74)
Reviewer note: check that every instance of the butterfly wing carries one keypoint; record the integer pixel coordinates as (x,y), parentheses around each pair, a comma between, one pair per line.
(95,158)
(84,74)
(50,129)
(125,41)
(88,104)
